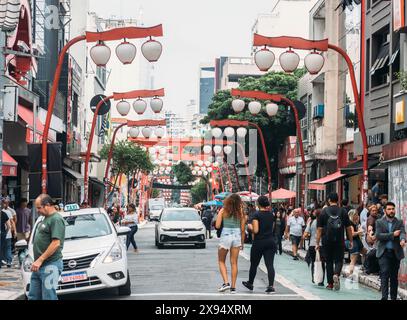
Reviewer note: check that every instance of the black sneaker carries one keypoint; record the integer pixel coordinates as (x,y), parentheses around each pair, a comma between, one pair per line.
(248,285)
(320,284)
(295,258)
(224,287)
(270,290)
(233,290)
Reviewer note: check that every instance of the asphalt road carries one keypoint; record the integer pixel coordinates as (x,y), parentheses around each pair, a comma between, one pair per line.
(187,273)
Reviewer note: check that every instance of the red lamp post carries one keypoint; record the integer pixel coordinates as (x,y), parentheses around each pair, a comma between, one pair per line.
(130,124)
(237,123)
(277,98)
(151,50)
(314,65)
(116,96)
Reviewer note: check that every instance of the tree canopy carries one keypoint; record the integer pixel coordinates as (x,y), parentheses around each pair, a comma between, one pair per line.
(199,192)
(275,129)
(183,173)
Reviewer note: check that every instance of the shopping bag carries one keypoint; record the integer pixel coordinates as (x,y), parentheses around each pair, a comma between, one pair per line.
(318,271)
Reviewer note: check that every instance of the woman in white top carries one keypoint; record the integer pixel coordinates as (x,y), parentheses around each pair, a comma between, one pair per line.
(131,221)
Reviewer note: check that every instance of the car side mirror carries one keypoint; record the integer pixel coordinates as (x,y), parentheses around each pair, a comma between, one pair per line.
(21,245)
(123,231)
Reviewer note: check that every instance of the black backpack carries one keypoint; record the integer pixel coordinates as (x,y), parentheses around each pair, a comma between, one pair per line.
(334,227)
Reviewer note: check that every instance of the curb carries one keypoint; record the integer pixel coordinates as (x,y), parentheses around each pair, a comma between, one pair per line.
(372,282)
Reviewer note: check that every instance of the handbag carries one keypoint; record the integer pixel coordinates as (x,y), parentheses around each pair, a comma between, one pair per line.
(318,271)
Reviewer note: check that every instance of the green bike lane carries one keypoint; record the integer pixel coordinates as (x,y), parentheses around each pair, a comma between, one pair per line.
(298,274)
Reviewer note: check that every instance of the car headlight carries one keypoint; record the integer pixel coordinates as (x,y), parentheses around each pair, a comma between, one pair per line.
(114,254)
(27,263)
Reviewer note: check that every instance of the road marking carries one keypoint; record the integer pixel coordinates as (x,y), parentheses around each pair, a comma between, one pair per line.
(211,294)
(286,283)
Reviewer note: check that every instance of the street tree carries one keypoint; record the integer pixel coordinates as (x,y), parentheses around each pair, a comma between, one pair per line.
(199,192)
(183,173)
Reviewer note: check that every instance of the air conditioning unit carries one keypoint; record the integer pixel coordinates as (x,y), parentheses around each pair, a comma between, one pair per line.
(319,111)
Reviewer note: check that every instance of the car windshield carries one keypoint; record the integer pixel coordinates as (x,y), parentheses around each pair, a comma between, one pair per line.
(180,215)
(86,226)
(156,207)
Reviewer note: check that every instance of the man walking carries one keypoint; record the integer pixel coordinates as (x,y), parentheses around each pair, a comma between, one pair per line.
(391,239)
(10,233)
(207,218)
(48,244)
(5,225)
(331,226)
(24,221)
(294,228)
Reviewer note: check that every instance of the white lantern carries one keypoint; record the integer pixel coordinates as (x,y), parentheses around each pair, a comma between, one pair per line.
(238,105)
(200,163)
(208,163)
(161,158)
(255,107)
(217,149)
(205,173)
(207,149)
(100,54)
(264,59)
(228,150)
(123,107)
(152,151)
(241,132)
(134,132)
(314,62)
(289,61)
(147,132)
(126,52)
(229,132)
(167,172)
(197,168)
(169,169)
(217,132)
(156,105)
(163,151)
(200,173)
(194,172)
(152,50)
(219,159)
(210,169)
(272,109)
(140,106)
(160,132)
(216,164)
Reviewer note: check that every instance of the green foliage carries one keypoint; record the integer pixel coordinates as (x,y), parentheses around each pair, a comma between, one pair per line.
(128,158)
(155,193)
(183,173)
(275,129)
(402,76)
(199,192)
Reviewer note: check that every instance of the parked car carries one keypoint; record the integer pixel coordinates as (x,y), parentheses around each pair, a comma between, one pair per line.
(180,226)
(94,253)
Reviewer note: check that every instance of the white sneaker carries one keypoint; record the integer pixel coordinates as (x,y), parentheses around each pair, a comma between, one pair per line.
(224,287)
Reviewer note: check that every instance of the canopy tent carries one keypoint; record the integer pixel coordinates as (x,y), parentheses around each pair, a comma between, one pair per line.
(222,196)
(282,194)
(247,196)
(214,203)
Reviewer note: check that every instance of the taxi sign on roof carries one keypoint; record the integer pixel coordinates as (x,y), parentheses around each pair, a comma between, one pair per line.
(71,207)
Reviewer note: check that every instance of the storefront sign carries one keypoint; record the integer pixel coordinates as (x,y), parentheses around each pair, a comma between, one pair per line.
(376,139)
(398,15)
(400,107)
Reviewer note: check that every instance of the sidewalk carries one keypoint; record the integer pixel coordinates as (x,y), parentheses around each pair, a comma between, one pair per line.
(370,281)
(11,284)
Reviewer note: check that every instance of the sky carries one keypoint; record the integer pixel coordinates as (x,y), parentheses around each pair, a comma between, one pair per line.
(195,32)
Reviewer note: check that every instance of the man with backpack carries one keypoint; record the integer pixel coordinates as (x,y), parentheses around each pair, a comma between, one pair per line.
(331,225)
(207,217)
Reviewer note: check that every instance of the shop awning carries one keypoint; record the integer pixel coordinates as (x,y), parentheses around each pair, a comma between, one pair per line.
(96,181)
(72,174)
(320,184)
(27,116)
(9,165)
(283,194)
(357,167)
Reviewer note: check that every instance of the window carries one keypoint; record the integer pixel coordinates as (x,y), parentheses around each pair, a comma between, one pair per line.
(75,110)
(394,62)
(367,84)
(380,50)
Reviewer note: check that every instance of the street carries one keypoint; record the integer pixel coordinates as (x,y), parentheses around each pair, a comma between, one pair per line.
(185,273)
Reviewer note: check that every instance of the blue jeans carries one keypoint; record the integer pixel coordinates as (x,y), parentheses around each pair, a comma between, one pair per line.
(44,283)
(8,254)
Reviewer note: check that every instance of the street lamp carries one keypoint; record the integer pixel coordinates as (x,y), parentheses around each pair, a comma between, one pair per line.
(313,64)
(100,54)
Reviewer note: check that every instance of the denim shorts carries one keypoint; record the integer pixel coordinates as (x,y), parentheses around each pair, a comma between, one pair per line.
(230,238)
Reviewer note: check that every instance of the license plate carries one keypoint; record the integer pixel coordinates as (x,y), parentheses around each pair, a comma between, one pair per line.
(183,236)
(76,276)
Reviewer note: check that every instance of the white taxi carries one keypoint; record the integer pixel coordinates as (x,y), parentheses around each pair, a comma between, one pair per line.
(94,253)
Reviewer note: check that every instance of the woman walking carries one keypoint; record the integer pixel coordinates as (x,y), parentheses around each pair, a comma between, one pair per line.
(233,219)
(311,234)
(279,230)
(131,221)
(263,244)
(357,233)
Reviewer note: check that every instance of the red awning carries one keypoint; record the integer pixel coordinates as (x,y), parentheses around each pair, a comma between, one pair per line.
(320,184)
(9,165)
(282,194)
(27,116)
